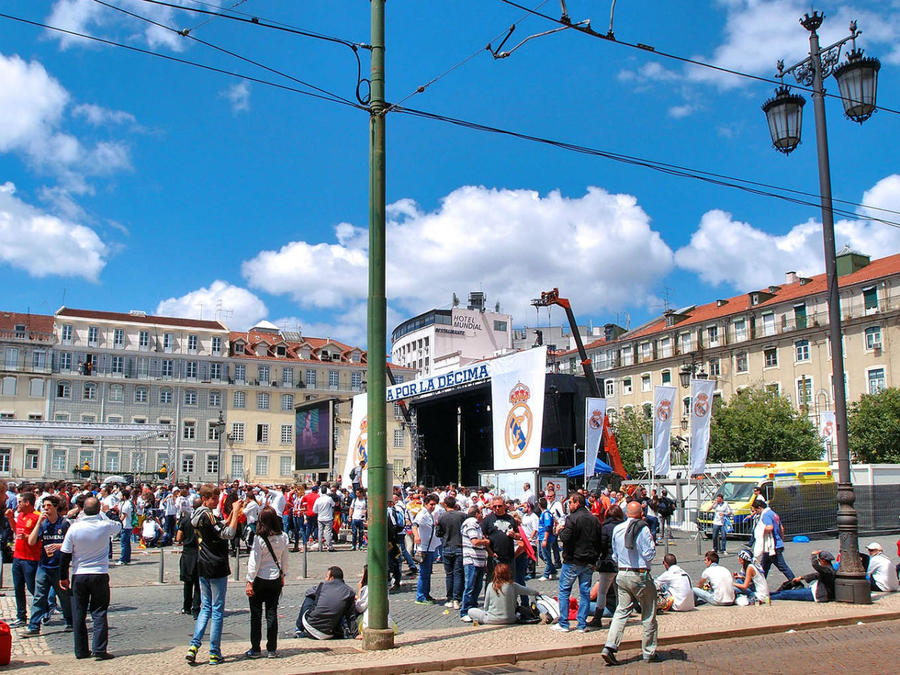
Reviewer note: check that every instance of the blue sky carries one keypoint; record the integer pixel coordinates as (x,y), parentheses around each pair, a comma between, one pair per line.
(132,182)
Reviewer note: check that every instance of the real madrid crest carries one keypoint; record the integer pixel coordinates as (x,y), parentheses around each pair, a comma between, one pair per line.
(664,410)
(701,405)
(518,422)
(596,419)
(362,442)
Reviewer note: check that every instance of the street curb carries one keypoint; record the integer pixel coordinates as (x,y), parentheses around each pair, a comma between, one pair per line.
(487,660)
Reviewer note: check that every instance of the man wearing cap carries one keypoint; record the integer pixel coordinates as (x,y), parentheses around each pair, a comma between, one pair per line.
(880,571)
(821,581)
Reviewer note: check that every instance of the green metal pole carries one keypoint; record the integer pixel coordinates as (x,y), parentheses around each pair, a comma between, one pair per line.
(378,635)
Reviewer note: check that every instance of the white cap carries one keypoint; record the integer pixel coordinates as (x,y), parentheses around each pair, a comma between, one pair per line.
(873,545)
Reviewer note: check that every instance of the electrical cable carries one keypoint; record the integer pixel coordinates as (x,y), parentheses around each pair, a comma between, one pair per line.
(675,57)
(237,3)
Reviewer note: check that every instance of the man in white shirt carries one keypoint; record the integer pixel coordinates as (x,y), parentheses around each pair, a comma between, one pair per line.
(675,587)
(721,512)
(881,573)
(427,542)
(358,520)
(720,581)
(86,547)
(527,494)
(324,508)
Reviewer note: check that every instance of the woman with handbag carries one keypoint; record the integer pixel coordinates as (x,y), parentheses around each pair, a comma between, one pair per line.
(266,571)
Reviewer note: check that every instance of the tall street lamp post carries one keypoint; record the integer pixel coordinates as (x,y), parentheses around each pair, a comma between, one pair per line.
(857,79)
(220,430)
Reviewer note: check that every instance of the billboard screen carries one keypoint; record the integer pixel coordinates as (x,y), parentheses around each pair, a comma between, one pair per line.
(313,437)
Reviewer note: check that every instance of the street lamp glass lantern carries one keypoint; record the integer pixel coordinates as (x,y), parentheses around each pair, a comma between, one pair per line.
(784,113)
(685,376)
(858,80)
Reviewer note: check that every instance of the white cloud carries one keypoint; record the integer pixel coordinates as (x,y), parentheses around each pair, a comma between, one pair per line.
(98,115)
(43,244)
(727,251)
(680,111)
(234,306)
(511,243)
(89,17)
(238,95)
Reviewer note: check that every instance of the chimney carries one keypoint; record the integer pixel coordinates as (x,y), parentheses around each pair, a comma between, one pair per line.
(790,278)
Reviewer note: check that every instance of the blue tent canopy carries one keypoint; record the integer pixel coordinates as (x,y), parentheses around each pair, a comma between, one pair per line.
(577,471)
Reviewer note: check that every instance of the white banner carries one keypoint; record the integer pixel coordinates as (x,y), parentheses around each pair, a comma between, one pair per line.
(594,412)
(517,399)
(826,431)
(701,414)
(433,383)
(357,446)
(663,407)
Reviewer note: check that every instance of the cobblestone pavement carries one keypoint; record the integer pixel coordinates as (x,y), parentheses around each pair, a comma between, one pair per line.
(871,648)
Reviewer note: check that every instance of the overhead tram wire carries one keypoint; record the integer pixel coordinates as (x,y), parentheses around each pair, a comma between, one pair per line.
(186,34)
(237,3)
(683,59)
(752,187)
(333,98)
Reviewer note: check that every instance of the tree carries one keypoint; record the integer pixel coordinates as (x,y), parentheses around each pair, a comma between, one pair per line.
(874,427)
(629,428)
(757,425)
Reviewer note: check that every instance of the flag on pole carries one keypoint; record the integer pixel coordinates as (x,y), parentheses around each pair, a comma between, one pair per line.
(663,405)
(826,430)
(594,417)
(701,414)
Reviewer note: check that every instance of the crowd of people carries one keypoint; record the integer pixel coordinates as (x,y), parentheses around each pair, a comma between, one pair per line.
(490,546)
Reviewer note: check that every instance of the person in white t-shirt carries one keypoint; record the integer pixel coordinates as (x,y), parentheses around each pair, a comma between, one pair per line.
(358,514)
(719,580)
(674,587)
(881,573)
(324,508)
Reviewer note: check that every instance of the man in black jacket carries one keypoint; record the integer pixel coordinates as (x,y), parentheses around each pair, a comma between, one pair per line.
(326,606)
(448,529)
(581,545)
(821,581)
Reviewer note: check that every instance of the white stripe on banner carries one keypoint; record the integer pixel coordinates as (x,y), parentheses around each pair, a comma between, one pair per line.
(357,446)
(594,412)
(517,398)
(663,406)
(701,414)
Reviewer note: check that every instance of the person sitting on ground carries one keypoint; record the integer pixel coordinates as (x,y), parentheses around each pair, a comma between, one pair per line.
(151,532)
(326,607)
(674,587)
(880,570)
(718,579)
(751,581)
(821,581)
(500,598)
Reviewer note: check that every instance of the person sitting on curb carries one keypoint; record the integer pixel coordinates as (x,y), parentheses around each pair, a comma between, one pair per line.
(880,570)
(718,579)
(326,607)
(500,598)
(151,532)
(674,587)
(821,581)
(751,581)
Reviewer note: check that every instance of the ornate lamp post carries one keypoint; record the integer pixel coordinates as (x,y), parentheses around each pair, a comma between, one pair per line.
(857,80)
(220,429)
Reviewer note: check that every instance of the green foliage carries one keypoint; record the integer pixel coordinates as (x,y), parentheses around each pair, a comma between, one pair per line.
(629,428)
(874,428)
(757,425)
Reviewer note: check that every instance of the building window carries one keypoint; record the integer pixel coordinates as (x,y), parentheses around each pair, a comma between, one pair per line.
(774,388)
(212,464)
(262,465)
(686,406)
(287,434)
(9,386)
(740,330)
(190,370)
(801,349)
(684,342)
(88,418)
(771,357)
(212,430)
(870,299)
(237,432)
(356,380)
(215,398)
(187,464)
(31,459)
(646,351)
(65,361)
(67,333)
(190,397)
(216,345)
(741,362)
(610,388)
(239,348)
(165,396)
(143,368)
(800,316)
(264,374)
(645,383)
(714,368)
(399,438)
(873,337)
(5,457)
(626,385)
(118,337)
(311,378)
(627,356)
(215,371)
(63,390)
(143,340)
(262,401)
(116,393)
(190,430)
(647,409)
(665,347)
(287,401)
(58,460)
(262,433)
(93,336)
(167,368)
(140,394)
(285,466)
(287,377)
(804,393)
(39,359)
(768,323)
(398,413)
(118,365)
(333,379)
(666,376)
(112,461)
(876,380)
(237,466)
(168,341)
(192,344)
(240,373)
(36,387)
(239,399)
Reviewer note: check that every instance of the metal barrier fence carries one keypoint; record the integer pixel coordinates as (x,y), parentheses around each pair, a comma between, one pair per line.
(878,507)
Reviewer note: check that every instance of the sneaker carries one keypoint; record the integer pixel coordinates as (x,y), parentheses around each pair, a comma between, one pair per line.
(466,619)
(191,655)
(18,623)
(119,563)
(252,654)
(272,655)
(103,656)
(216,659)
(544,578)
(559,629)
(30,632)
(456,604)
(426,601)
(583,630)
(69,628)
(609,656)
(449,604)
(395,587)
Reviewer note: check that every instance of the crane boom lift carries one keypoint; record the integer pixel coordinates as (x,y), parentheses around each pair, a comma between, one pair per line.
(609,441)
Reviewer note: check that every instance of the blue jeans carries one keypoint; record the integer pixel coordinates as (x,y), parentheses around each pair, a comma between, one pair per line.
(779,561)
(520,572)
(358,530)
(401,540)
(125,543)
(23,573)
(717,536)
(547,557)
(453,568)
(44,582)
(474,578)
(312,528)
(286,525)
(569,574)
(794,594)
(423,587)
(212,605)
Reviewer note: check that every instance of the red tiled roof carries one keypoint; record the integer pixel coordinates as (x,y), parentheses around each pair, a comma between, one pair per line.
(132,318)
(32,322)
(253,338)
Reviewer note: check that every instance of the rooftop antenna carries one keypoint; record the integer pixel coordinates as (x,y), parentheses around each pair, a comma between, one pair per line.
(221,312)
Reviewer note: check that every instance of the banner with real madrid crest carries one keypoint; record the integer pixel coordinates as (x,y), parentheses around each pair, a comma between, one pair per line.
(701,413)
(357,446)
(517,399)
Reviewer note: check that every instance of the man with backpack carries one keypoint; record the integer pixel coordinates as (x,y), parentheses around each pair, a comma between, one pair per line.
(666,509)
(580,537)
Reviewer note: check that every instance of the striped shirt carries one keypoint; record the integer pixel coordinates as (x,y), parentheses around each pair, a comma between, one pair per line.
(473,555)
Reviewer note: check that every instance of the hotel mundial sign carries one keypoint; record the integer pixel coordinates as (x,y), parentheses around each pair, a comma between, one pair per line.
(428,385)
